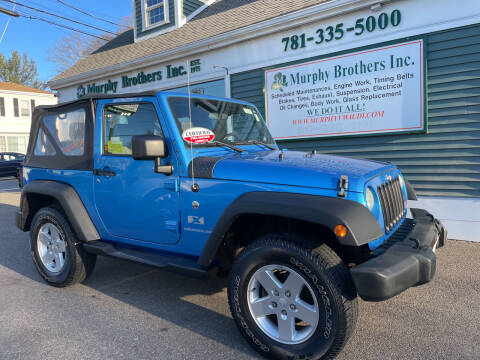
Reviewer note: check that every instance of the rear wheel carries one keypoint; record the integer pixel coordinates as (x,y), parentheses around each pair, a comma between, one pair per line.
(58,257)
(292,299)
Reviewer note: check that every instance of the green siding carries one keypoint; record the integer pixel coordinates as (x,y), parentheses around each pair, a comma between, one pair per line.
(248,86)
(189,6)
(444,162)
(138,18)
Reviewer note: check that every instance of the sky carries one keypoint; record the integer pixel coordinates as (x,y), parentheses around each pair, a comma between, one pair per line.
(35,38)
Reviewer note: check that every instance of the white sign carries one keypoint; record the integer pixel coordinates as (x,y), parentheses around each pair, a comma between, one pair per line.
(379,90)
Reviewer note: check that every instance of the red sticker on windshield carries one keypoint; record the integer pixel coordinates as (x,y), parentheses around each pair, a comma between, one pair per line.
(198,135)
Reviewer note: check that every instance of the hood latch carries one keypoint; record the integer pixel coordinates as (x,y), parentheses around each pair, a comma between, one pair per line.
(343,186)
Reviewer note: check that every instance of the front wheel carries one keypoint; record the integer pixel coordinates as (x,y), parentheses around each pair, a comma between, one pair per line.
(292,300)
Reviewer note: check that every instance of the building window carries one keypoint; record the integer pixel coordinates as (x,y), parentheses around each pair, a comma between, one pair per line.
(16,144)
(32,104)
(155,12)
(2,106)
(24,109)
(16,113)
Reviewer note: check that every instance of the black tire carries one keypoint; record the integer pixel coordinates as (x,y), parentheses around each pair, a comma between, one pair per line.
(327,276)
(78,263)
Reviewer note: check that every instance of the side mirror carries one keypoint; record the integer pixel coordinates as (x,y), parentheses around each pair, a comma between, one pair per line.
(150,147)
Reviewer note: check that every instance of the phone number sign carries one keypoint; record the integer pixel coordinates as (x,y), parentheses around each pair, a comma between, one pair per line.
(362,26)
(373,91)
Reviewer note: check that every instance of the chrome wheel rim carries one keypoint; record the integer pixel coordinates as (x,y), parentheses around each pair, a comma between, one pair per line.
(283,304)
(52,248)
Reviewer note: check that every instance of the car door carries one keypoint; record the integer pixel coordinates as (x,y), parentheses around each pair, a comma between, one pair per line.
(132,200)
(8,165)
(3,165)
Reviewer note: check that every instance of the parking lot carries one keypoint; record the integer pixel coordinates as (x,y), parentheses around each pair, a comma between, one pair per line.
(131,311)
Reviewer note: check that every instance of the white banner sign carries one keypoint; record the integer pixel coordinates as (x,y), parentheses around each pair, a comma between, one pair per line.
(372,91)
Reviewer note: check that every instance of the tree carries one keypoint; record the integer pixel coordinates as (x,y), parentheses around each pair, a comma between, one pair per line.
(71,48)
(19,69)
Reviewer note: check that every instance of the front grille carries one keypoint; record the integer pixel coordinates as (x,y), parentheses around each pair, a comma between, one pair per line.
(393,204)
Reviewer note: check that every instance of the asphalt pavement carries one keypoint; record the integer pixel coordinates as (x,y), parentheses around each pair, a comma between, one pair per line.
(8,184)
(132,311)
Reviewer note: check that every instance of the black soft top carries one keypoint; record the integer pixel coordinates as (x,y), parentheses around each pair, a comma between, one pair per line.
(58,160)
(93,97)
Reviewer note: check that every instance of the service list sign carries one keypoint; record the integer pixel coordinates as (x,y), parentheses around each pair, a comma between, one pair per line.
(373,91)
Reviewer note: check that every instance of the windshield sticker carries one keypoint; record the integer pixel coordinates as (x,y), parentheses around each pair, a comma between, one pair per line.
(198,135)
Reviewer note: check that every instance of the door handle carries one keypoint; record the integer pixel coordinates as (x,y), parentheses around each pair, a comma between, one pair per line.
(104,172)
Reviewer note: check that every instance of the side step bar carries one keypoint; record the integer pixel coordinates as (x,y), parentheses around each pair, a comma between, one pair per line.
(170,263)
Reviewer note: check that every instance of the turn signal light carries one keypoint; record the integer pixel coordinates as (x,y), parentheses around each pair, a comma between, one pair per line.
(340,231)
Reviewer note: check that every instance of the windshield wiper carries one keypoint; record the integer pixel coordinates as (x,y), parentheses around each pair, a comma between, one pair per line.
(256,142)
(219,143)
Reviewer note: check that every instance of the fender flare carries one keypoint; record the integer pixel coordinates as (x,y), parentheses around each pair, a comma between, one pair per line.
(327,211)
(411,194)
(70,202)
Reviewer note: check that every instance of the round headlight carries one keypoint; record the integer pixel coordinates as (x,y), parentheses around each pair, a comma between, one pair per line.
(370,198)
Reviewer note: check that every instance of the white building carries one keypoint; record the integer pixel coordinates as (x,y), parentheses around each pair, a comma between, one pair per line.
(17,103)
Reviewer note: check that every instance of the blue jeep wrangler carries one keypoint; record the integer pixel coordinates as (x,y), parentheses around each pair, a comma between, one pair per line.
(197,185)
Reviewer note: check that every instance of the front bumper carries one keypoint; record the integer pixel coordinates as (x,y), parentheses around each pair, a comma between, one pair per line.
(406,259)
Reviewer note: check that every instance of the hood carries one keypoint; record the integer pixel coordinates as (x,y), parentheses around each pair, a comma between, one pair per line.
(297,169)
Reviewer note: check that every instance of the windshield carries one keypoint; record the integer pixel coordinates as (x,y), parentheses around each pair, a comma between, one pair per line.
(230,122)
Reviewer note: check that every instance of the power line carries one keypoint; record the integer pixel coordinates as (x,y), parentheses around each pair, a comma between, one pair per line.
(91,15)
(59,16)
(29,14)
(63,26)
(113,18)
(56,10)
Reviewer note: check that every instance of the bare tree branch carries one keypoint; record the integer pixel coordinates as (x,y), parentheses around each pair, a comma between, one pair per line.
(74,47)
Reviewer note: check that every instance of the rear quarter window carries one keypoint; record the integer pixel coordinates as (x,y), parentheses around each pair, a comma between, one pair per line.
(62,137)
(68,131)
(43,146)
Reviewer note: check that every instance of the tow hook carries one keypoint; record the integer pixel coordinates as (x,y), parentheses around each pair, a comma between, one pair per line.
(416,242)
(343,186)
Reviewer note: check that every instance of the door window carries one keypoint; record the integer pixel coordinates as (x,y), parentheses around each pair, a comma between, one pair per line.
(122,121)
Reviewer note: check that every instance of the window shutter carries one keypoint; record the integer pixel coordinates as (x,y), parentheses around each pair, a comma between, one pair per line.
(32,104)
(2,106)
(15,108)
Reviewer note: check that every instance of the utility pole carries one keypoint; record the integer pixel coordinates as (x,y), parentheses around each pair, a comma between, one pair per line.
(9,13)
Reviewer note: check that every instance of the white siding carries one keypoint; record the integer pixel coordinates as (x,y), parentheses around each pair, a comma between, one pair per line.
(14,131)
